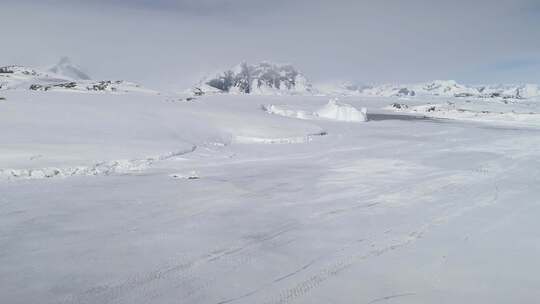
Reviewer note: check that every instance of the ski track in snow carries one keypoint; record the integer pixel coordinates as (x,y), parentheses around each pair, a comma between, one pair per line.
(184,274)
(386,298)
(382,183)
(354,254)
(278,140)
(304,287)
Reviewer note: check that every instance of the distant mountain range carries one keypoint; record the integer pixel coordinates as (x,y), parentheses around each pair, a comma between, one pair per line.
(257,79)
(444,88)
(274,79)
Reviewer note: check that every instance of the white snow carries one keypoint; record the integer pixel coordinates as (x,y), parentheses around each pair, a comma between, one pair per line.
(528,91)
(132,198)
(283,110)
(478,111)
(333,110)
(342,112)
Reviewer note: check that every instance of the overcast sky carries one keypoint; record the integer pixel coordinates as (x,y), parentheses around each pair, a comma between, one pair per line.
(173,43)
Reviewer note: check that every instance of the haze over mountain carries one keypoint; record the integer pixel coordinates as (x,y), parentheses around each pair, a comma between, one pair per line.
(65,68)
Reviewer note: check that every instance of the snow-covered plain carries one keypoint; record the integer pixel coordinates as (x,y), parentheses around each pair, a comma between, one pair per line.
(146,198)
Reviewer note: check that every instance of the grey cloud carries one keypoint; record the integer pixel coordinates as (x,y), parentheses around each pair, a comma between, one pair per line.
(173,43)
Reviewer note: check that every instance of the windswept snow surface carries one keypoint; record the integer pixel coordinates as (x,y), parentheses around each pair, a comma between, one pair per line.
(216,201)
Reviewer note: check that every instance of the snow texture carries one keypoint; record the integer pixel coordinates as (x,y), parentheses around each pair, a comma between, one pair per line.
(132,198)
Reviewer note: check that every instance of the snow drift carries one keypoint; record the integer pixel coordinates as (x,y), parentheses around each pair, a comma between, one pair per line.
(333,110)
(286,111)
(342,112)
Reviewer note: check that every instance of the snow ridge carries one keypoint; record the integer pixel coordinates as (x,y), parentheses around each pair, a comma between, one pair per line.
(333,110)
(102,168)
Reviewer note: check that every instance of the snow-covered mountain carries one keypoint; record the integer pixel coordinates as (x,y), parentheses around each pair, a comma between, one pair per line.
(436,88)
(256,79)
(260,79)
(524,91)
(66,68)
(17,77)
(443,88)
(63,77)
(448,88)
(387,90)
(454,89)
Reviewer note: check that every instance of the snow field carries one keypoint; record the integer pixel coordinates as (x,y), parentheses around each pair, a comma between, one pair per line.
(217,201)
